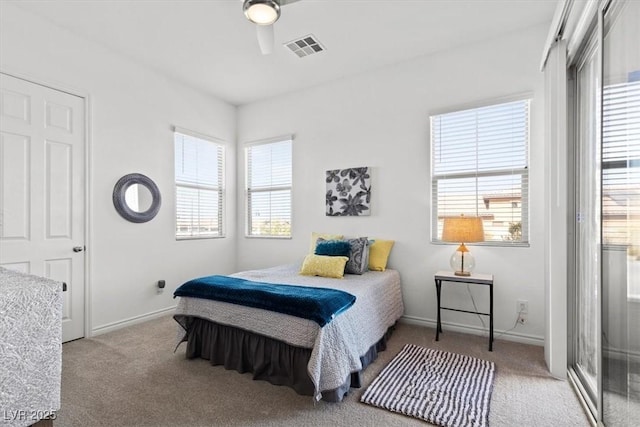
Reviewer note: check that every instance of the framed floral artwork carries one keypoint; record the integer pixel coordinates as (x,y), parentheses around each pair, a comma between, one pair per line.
(348,192)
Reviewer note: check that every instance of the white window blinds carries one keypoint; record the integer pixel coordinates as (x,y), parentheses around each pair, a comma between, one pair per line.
(480,168)
(620,161)
(199,172)
(268,179)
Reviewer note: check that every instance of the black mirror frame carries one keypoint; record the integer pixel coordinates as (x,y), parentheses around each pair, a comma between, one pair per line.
(120,203)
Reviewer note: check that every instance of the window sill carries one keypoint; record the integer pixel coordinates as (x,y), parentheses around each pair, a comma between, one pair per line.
(494,244)
(247,236)
(180,239)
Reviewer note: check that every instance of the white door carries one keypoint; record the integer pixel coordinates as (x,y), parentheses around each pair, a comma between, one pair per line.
(42,189)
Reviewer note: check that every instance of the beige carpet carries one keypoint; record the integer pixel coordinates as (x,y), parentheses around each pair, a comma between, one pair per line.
(131,377)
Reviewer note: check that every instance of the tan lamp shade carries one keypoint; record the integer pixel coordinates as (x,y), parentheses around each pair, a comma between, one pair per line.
(462,229)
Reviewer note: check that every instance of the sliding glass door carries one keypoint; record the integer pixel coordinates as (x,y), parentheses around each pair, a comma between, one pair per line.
(588,166)
(605,357)
(621,215)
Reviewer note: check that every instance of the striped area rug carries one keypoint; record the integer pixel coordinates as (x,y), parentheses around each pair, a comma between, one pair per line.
(445,389)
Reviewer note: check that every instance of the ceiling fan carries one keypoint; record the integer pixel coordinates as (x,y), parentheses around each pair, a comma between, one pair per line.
(264,13)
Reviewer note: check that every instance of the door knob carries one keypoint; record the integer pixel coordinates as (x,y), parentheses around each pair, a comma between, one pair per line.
(78,248)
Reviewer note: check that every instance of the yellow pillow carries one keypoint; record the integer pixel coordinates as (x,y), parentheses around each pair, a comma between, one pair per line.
(379,254)
(315,236)
(324,266)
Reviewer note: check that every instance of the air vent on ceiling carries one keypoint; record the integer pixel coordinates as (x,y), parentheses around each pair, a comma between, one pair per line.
(305,46)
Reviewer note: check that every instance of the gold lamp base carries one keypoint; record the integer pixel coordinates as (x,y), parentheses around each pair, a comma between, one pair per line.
(462,273)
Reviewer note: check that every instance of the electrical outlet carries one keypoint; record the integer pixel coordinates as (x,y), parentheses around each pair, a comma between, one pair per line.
(523,306)
(522,318)
(522,309)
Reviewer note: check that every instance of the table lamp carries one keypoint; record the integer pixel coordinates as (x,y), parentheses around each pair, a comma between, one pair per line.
(462,229)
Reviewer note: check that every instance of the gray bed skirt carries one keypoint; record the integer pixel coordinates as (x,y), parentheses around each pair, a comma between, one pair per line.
(267,358)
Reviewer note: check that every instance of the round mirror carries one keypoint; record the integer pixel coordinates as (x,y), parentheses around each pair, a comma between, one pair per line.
(136,198)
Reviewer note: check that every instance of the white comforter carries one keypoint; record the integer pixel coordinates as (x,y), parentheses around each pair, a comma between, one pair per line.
(338,345)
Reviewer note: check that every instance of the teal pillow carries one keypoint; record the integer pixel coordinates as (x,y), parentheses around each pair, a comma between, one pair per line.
(333,247)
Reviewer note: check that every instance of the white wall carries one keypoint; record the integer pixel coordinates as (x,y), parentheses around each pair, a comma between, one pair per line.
(132,113)
(377,119)
(381,119)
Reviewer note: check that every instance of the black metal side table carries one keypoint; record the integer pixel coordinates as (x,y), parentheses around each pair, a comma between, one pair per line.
(477,279)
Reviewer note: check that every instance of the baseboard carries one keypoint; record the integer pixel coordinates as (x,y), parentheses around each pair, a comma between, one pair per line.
(621,354)
(131,321)
(474,330)
(412,320)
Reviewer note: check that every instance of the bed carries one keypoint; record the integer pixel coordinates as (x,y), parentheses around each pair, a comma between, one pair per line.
(324,362)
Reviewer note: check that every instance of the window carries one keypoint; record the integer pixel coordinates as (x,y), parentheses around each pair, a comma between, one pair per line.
(268,178)
(620,160)
(480,168)
(199,172)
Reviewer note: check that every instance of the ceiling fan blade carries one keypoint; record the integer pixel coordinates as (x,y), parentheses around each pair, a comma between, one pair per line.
(283,2)
(265,38)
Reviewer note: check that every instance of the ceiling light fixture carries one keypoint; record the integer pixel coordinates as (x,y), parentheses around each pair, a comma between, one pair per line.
(262,12)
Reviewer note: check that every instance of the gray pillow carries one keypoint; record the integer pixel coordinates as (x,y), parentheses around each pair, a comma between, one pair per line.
(358,257)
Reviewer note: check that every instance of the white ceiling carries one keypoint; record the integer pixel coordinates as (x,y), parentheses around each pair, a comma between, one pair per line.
(210,45)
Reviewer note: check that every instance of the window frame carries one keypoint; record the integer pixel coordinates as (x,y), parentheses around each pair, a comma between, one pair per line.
(221,189)
(247,191)
(524,172)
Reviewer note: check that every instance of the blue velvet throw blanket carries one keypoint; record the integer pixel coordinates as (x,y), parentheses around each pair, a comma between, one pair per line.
(317,304)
